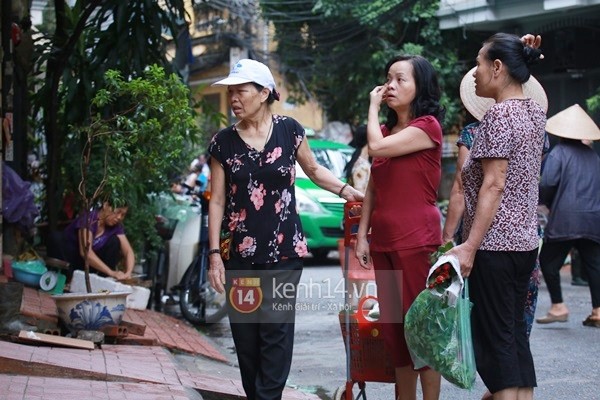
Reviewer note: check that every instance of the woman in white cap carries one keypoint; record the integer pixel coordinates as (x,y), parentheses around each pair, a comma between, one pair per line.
(500,237)
(256,239)
(570,188)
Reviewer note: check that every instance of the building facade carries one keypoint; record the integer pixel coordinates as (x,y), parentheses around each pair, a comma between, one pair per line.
(219,37)
(570,71)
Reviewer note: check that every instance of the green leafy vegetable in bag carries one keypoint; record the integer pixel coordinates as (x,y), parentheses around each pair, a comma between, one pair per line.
(440,252)
(437,326)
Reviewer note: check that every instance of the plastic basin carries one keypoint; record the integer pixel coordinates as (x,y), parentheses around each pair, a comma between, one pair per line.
(28,272)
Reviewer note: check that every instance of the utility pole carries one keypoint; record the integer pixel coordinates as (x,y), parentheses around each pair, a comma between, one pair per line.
(5,97)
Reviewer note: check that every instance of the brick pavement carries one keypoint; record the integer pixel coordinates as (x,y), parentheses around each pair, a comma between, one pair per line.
(119,371)
(26,387)
(172,333)
(112,372)
(161,329)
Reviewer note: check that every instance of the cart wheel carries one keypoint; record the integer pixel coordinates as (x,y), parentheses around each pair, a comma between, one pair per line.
(340,393)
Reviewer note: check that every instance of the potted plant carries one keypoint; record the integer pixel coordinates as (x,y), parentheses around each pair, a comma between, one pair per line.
(137,132)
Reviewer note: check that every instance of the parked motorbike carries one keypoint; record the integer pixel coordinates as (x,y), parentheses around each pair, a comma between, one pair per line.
(188,287)
(199,302)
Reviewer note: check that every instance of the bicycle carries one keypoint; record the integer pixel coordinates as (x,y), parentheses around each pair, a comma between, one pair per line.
(200,304)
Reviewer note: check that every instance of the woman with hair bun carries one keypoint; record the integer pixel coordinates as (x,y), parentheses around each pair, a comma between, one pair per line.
(500,238)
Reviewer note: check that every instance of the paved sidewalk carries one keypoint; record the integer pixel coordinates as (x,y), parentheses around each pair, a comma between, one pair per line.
(161,329)
(23,387)
(113,372)
(121,371)
(172,333)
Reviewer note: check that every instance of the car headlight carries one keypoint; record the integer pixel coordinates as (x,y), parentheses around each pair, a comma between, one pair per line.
(305,204)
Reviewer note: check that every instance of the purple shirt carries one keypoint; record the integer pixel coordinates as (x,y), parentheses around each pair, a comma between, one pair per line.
(72,237)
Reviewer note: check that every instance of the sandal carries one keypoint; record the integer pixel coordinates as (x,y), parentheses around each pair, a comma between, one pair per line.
(593,322)
(550,318)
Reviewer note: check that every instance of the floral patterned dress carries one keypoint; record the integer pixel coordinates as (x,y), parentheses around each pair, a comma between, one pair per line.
(260,212)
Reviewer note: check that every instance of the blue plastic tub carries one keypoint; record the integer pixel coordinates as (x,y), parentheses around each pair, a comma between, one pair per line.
(29,272)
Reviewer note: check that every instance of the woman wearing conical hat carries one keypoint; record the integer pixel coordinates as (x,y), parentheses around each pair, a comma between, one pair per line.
(569,187)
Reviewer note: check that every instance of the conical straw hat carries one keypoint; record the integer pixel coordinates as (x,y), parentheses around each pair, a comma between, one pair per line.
(573,123)
(478,106)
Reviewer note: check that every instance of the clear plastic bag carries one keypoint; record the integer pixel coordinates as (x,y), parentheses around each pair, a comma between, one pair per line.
(437,327)
(464,369)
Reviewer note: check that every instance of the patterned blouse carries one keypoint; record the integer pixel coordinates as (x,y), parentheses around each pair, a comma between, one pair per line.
(466,135)
(465,138)
(512,130)
(260,209)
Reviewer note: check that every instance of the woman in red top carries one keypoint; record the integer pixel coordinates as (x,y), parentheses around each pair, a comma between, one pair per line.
(400,204)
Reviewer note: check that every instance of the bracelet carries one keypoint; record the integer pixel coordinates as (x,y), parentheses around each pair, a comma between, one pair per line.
(214,251)
(342,189)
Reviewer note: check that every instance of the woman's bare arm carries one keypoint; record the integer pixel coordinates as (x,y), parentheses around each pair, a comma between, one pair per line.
(456,204)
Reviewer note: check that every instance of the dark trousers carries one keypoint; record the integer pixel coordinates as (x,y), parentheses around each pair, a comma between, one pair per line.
(498,287)
(552,257)
(576,270)
(262,322)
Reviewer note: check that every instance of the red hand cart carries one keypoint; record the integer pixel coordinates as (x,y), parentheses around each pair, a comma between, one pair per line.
(366,357)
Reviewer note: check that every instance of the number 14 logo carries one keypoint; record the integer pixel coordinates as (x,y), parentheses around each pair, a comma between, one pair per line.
(245,294)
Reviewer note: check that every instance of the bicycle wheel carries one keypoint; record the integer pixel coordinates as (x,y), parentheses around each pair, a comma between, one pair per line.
(200,303)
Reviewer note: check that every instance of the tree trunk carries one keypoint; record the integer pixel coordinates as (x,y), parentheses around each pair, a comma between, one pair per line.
(63,48)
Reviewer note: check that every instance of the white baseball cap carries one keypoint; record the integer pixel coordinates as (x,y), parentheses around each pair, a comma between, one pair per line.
(245,71)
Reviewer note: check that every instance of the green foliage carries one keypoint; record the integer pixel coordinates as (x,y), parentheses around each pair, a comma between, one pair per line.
(593,103)
(433,257)
(434,338)
(137,131)
(75,49)
(146,118)
(338,50)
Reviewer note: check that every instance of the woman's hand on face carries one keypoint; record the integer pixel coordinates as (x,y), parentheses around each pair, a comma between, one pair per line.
(378,95)
(216,273)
